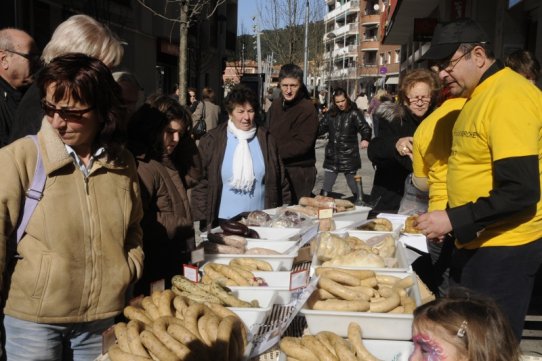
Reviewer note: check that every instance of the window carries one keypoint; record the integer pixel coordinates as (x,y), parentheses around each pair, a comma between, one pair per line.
(381,62)
(389,58)
(397,56)
(370,58)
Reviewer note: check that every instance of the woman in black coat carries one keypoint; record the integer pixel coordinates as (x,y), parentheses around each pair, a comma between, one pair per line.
(391,151)
(343,122)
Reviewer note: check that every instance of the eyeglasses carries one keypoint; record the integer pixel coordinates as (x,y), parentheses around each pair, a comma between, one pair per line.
(66,114)
(446,64)
(27,56)
(418,99)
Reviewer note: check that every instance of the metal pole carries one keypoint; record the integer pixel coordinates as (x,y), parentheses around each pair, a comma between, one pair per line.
(329,80)
(306,53)
(258,45)
(243,58)
(256,28)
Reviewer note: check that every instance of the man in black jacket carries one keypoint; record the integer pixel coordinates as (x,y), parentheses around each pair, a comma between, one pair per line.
(18,59)
(292,120)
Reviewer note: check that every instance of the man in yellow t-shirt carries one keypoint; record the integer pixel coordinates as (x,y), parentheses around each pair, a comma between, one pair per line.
(432,146)
(493,179)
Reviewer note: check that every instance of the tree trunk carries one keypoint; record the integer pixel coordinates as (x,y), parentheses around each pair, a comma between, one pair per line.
(183,52)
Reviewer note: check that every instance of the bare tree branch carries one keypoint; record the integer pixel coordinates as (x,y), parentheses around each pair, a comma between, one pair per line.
(195,9)
(281,20)
(190,11)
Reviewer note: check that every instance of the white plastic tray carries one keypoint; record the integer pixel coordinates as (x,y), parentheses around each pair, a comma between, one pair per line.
(278,246)
(368,234)
(358,214)
(342,223)
(380,326)
(251,316)
(281,262)
(384,350)
(398,220)
(268,233)
(400,254)
(278,234)
(276,281)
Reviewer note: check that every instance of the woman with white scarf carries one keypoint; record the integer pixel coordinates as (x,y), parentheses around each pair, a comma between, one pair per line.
(242,170)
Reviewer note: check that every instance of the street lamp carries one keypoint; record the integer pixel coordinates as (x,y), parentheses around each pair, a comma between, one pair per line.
(330,36)
(306,52)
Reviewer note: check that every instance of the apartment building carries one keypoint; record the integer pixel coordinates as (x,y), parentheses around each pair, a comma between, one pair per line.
(354,56)
(341,41)
(378,65)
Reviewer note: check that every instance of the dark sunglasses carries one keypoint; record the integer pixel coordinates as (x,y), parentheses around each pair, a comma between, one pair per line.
(66,114)
(28,56)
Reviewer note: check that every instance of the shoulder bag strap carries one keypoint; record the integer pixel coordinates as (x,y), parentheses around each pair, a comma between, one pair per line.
(34,193)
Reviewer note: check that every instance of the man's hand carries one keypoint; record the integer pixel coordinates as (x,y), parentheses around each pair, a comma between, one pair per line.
(434,224)
(363,144)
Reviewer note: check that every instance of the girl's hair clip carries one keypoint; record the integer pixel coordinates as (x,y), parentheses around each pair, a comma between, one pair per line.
(462,329)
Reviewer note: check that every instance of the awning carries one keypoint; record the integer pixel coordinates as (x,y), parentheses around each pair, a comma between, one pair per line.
(392,80)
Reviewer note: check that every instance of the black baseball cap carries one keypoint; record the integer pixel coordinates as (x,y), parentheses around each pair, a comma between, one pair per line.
(447,38)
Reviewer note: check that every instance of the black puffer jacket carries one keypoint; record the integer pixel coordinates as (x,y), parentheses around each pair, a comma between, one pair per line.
(342,149)
(395,121)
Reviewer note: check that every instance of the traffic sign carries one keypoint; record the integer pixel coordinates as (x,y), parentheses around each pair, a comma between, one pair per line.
(383,70)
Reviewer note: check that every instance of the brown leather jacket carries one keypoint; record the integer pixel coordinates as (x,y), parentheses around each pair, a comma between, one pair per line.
(168,232)
(206,195)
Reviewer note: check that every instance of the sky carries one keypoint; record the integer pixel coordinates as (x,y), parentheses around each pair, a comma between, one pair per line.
(246,10)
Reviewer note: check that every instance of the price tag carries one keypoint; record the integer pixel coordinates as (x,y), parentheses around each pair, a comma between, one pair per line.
(197,255)
(299,279)
(191,272)
(158,286)
(309,234)
(325,213)
(108,339)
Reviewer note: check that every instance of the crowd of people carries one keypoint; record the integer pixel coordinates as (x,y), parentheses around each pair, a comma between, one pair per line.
(120,180)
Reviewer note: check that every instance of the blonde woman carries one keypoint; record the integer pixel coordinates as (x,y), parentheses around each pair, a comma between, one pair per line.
(78,34)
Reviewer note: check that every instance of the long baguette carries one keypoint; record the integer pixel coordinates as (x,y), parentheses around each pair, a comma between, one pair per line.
(313,202)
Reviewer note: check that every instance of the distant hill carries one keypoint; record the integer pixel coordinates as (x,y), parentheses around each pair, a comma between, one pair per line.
(287,44)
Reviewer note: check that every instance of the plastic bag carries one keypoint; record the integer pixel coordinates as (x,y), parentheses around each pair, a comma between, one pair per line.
(414,201)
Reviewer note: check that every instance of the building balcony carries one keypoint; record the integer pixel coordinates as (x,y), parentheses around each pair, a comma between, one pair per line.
(344,73)
(369,20)
(369,45)
(369,38)
(348,29)
(349,7)
(368,69)
(349,51)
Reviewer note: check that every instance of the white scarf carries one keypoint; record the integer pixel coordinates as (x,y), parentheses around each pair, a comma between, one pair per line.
(243,172)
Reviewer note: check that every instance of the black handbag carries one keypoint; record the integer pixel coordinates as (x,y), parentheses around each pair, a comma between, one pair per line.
(200,128)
